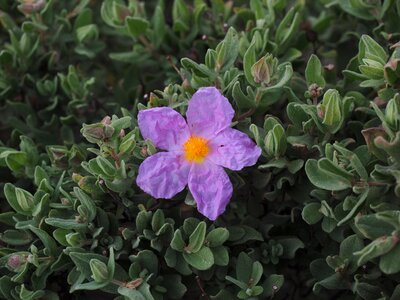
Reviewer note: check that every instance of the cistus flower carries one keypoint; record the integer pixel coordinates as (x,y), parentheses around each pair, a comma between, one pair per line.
(197,151)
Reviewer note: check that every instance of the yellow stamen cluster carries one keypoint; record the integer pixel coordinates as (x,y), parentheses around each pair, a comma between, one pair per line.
(196,149)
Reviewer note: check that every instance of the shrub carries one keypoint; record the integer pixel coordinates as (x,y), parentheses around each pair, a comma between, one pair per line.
(314,83)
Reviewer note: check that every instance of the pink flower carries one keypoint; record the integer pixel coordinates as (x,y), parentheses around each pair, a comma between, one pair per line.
(198,151)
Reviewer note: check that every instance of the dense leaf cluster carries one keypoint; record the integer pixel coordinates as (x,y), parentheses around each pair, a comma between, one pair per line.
(315,83)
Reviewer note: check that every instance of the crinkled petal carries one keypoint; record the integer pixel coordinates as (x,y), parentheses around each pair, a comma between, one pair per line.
(209,112)
(211,189)
(165,127)
(163,175)
(233,149)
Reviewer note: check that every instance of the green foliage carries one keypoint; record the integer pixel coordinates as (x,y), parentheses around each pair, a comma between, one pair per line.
(315,83)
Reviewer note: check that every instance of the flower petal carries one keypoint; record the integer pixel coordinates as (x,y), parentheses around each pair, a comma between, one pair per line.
(233,149)
(209,112)
(211,188)
(165,127)
(163,175)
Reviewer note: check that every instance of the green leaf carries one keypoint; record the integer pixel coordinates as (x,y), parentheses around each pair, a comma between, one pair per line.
(65,223)
(311,213)
(376,248)
(50,246)
(324,180)
(221,255)
(244,267)
(249,60)
(272,285)
(196,239)
(87,202)
(217,237)
(314,72)
(177,242)
(200,260)
(136,26)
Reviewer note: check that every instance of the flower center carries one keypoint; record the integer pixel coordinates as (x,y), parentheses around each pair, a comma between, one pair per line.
(196,149)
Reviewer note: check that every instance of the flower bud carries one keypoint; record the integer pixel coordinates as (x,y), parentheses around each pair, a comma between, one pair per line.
(24,199)
(393,113)
(14,262)
(331,110)
(99,270)
(264,69)
(58,156)
(106,120)
(108,131)
(94,133)
(73,239)
(28,7)
(76,177)
(275,142)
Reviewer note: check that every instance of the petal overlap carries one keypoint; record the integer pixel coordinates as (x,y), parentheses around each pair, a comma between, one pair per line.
(163,175)
(209,112)
(234,150)
(165,127)
(211,189)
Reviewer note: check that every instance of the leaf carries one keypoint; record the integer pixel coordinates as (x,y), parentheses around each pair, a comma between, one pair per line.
(177,242)
(244,267)
(221,255)
(87,202)
(324,180)
(196,239)
(217,237)
(272,285)
(136,25)
(311,213)
(290,246)
(314,72)
(249,60)
(389,263)
(200,260)
(50,246)
(376,248)
(65,223)
(256,273)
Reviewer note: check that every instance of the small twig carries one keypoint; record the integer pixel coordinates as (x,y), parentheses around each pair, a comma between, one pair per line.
(169,59)
(200,285)
(246,114)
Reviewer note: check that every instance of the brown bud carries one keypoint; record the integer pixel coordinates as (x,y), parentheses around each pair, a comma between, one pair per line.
(144,151)
(134,283)
(14,261)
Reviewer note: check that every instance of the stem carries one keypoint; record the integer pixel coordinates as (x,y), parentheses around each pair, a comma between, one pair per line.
(200,285)
(169,59)
(251,111)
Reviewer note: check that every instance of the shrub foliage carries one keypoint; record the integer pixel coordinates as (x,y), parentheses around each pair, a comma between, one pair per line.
(315,83)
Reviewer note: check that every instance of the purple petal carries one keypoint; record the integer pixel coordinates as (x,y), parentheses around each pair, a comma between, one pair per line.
(211,188)
(163,175)
(234,150)
(165,127)
(209,112)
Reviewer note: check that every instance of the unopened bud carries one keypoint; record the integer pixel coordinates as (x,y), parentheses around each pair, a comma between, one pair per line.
(331,110)
(106,120)
(315,91)
(134,283)
(24,199)
(275,141)
(99,270)
(264,69)
(15,261)
(28,7)
(392,113)
(144,152)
